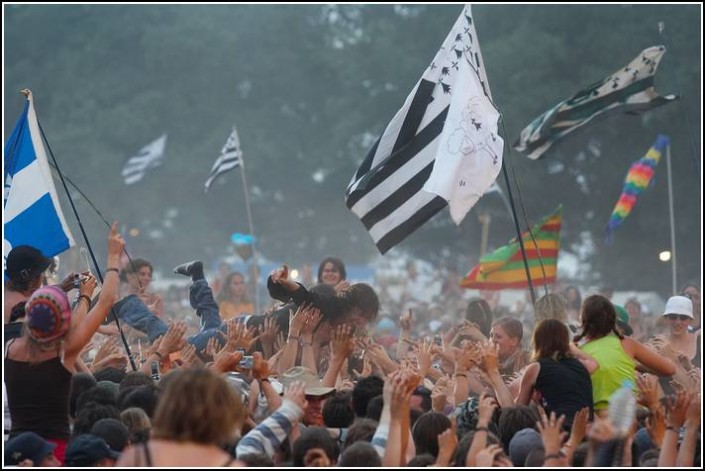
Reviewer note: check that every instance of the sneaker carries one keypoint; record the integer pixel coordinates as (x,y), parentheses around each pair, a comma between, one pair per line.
(193,269)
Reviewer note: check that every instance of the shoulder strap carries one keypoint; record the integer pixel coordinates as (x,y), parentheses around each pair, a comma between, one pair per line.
(7,347)
(147,454)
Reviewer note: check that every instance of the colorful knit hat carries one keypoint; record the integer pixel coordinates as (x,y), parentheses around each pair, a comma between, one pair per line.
(48,314)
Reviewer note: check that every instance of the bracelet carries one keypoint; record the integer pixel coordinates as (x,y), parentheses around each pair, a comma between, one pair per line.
(264,380)
(86,297)
(671,428)
(553,456)
(116,270)
(482,429)
(464,375)
(161,357)
(307,344)
(291,338)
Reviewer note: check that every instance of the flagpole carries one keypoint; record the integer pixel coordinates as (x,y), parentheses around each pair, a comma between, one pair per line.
(521,241)
(85,236)
(673,225)
(252,232)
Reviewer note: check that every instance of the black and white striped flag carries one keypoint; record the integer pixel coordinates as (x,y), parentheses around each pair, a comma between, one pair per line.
(230,158)
(440,148)
(150,156)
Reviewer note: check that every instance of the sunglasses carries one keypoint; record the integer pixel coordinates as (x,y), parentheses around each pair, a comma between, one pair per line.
(679,317)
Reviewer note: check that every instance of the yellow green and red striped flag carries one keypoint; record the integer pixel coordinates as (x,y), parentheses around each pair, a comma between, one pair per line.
(504,268)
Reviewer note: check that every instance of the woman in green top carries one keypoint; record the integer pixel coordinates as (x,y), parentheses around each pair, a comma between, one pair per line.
(618,356)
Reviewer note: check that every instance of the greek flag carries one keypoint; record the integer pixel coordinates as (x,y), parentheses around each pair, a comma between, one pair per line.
(441,148)
(230,158)
(149,156)
(628,90)
(32,212)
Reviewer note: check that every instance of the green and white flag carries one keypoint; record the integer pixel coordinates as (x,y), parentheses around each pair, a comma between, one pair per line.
(628,90)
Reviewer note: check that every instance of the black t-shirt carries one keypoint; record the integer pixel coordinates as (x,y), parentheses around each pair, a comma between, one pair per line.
(565,387)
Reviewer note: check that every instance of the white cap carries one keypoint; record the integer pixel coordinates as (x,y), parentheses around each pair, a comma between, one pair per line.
(679,305)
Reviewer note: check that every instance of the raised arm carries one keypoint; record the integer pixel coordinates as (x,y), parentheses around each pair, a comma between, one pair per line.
(650,359)
(83,332)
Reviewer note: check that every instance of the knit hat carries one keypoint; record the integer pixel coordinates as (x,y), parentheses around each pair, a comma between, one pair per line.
(522,443)
(679,305)
(48,314)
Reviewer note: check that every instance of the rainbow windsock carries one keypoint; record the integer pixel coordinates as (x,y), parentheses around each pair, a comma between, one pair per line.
(638,178)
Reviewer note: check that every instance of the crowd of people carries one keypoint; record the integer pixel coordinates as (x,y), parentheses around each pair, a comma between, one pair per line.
(338,373)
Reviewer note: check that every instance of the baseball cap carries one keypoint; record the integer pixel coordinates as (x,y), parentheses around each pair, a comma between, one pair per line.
(87,450)
(623,320)
(25,262)
(679,305)
(27,445)
(309,378)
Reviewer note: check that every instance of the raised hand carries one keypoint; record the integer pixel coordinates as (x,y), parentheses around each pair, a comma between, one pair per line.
(342,287)
(269,331)
(280,275)
(173,340)
(311,320)
(260,367)
(188,356)
(296,392)
(342,345)
(551,430)
(87,285)
(225,360)
(115,241)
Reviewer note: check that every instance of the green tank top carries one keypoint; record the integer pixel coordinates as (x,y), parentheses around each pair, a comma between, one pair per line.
(615,367)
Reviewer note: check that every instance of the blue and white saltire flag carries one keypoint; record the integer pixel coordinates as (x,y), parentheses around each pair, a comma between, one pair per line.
(150,156)
(441,148)
(230,158)
(628,90)
(32,214)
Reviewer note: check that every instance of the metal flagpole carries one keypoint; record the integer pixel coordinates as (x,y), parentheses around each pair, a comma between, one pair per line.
(27,92)
(673,225)
(252,232)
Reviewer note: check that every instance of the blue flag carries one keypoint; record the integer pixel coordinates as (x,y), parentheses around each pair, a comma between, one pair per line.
(32,212)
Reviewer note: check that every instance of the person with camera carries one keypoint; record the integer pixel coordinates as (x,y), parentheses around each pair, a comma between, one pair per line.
(39,364)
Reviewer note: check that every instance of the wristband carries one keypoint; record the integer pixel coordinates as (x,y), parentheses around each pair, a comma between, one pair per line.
(86,297)
(482,429)
(672,429)
(292,338)
(161,357)
(112,269)
(553,456)
(264,380)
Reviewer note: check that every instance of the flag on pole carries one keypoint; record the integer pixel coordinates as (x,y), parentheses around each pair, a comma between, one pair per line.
(504,268)
(230,158)
(628,90)
(150,156)
(440,148)
(637,180)
(32,213)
